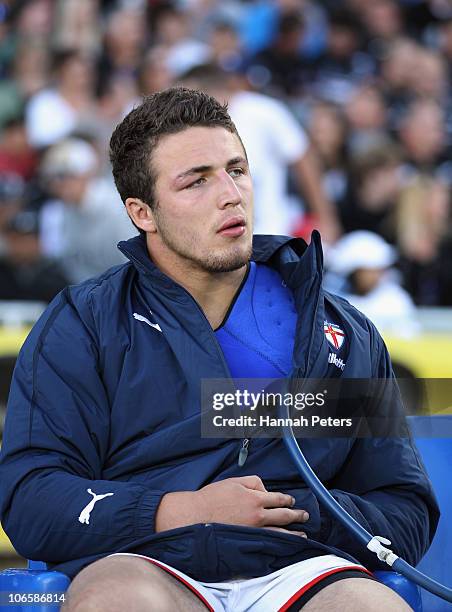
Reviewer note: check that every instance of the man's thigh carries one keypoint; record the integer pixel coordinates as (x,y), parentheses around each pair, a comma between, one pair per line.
(356,595)
(132,584)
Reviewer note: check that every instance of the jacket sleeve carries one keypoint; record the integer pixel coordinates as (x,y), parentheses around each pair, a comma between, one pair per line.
(56,444)
(384,485)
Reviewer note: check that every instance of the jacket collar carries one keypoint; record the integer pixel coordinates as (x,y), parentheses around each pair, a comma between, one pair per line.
(281,252)
(300,266)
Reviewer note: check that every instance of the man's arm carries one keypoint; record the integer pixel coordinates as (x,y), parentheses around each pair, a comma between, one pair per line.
(55,445)
(291,143)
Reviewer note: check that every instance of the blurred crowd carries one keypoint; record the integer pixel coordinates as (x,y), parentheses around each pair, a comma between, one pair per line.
(345,109)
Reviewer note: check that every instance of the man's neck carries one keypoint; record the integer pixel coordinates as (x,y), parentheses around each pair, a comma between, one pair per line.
(213,292)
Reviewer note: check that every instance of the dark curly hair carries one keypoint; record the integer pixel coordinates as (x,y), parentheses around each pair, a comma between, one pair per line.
(134,139)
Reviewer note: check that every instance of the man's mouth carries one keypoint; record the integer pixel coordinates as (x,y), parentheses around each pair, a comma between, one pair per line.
(235,226)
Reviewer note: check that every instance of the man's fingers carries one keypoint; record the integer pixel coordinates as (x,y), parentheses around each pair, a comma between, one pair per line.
(283,516)
(277,500)
(301,534)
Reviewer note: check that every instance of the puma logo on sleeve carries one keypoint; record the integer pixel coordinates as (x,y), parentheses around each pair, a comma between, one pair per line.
(85,513)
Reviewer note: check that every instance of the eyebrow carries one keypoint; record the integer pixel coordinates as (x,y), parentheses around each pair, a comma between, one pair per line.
(200,169)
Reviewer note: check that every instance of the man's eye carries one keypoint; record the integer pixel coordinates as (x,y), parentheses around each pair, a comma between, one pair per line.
(234,172)
(196,183)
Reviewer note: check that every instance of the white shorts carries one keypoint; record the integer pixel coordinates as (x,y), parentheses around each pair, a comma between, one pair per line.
(271,593)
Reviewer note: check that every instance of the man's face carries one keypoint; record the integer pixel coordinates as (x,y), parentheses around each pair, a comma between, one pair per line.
(70,188)
(204,201)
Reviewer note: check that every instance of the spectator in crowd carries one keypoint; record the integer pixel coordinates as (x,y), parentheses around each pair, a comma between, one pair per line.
(361,270)
(384,22)
(115,96)
(32,18)
(431,79)
(25,274)
(30,68)
(343,65)
(366,116)
(84,219)
(173,30)
(124,43)
(423,216)
(24,50)
(328,133)
(16,154)
(24,67)
(77,25)
(55,112)
(154,73)
(274,142)
(424,238)
(423,136)
(225,44)
(283,70)
(374,188)
(396,71)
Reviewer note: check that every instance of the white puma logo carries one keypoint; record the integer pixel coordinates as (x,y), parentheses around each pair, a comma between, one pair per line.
(139,317)
(85,513)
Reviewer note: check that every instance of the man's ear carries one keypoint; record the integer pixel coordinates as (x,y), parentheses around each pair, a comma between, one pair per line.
(141,214)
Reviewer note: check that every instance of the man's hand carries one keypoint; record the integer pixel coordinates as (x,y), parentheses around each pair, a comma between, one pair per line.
(235,501)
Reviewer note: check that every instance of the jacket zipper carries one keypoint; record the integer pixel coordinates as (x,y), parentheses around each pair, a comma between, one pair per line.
(244,449)
(243,453)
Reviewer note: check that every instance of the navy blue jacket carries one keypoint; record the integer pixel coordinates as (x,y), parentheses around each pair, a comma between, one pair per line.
(103,400)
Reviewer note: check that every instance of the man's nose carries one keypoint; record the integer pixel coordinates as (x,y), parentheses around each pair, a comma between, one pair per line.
(229,192)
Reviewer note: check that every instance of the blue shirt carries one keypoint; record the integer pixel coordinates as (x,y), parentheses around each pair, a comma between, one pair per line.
(257,336)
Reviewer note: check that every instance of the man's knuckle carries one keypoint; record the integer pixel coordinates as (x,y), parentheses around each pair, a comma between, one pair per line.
(259,517)
(282,499)
(290,515)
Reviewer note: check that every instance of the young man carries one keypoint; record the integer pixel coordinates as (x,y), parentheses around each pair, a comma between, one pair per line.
(102,451)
